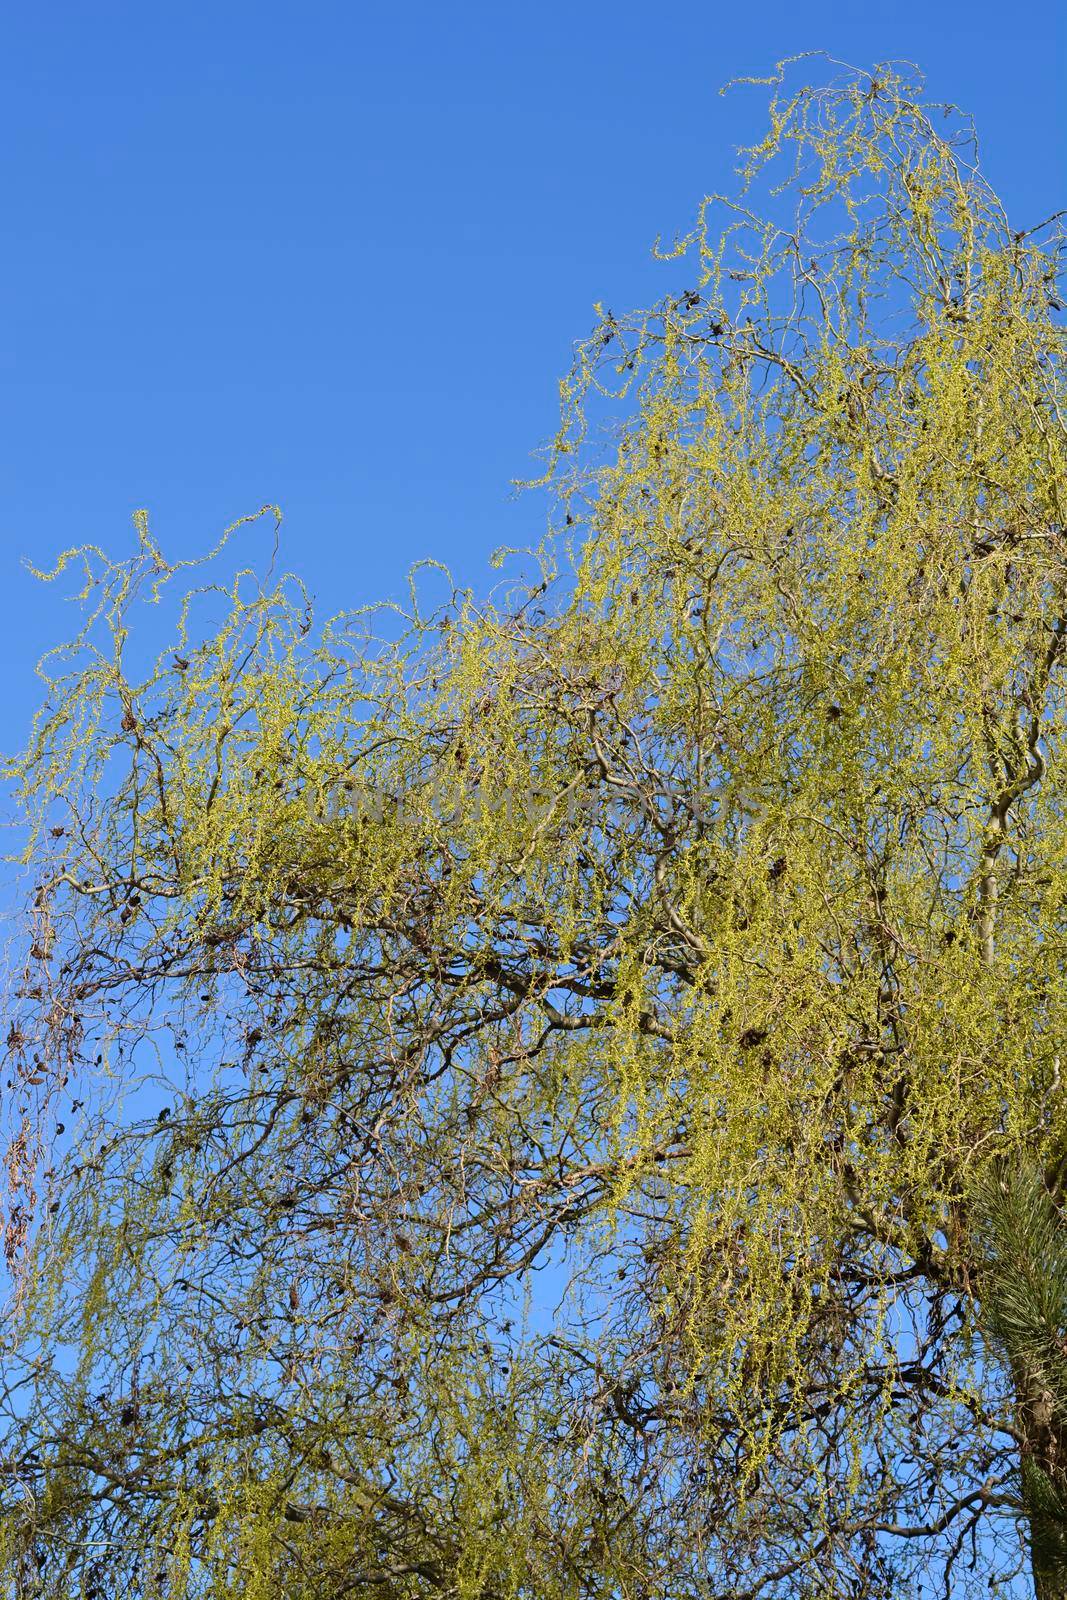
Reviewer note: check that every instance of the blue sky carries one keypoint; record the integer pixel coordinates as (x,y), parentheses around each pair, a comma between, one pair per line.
(334,255)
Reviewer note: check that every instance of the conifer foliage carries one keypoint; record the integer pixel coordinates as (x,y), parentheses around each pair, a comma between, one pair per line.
(1024,1312)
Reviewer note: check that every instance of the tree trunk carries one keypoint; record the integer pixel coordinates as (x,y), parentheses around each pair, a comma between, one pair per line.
(1044,1484)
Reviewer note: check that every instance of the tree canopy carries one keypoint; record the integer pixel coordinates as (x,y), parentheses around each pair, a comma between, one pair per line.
(499,1091)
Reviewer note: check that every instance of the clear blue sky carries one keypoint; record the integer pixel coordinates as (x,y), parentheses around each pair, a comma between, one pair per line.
(334,255)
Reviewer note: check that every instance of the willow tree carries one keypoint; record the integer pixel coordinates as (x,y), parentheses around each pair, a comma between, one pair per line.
(499,1091)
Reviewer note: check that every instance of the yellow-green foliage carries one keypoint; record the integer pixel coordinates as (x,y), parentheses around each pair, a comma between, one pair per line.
(695,917)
